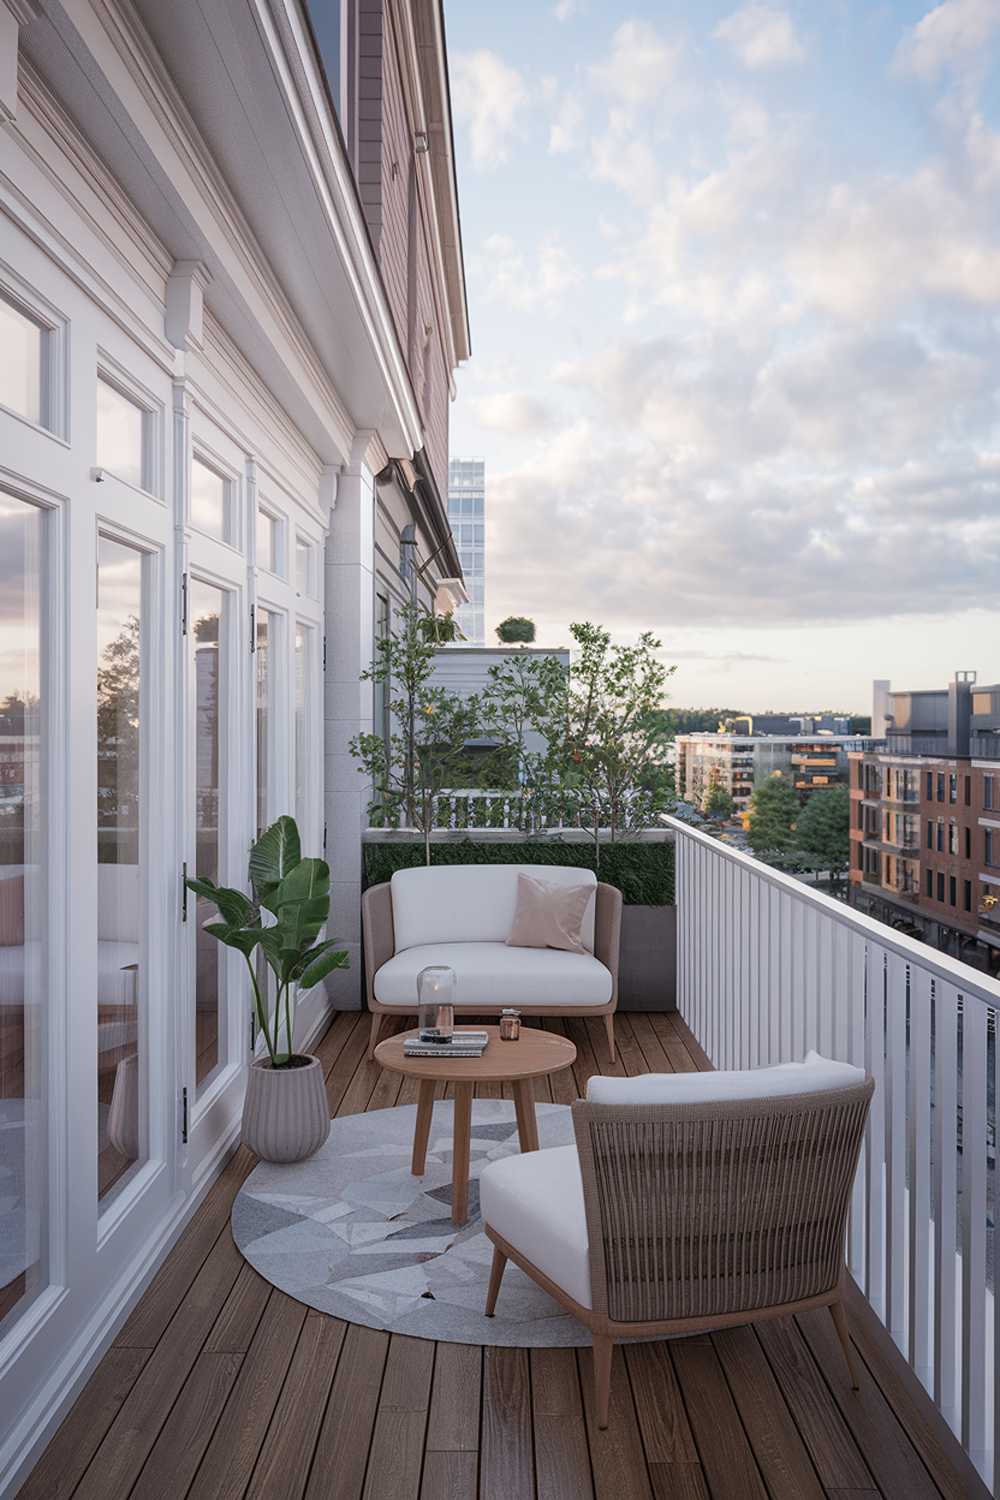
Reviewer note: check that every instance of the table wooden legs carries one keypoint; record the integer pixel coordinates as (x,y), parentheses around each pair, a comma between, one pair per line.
(460,1153)
(524,1108)
(425,1106)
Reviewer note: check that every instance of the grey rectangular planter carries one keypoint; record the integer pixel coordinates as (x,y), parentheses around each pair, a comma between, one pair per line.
(647,978)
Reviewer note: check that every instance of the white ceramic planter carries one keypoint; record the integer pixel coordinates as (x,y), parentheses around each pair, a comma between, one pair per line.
(285,1112)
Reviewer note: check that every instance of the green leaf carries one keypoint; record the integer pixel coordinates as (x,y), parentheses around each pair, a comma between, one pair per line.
(302,903)
(234,936)
(322,967)
(234,906)
(275,854)
(303,960)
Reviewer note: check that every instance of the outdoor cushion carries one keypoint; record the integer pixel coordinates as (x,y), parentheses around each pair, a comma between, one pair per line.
(470,903)
(535,1202)
(549,915)
(493,974)
(809,1077)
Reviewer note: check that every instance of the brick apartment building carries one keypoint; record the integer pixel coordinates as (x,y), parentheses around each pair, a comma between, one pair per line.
(926,817)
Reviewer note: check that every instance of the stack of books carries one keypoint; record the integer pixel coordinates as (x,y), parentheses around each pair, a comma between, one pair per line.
(459,1044)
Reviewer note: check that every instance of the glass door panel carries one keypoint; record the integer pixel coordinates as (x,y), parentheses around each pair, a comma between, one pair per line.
(122,1061)
(23,1019)
(207,647)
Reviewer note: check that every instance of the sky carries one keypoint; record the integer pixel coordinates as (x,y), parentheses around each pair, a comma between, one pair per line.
(734,288)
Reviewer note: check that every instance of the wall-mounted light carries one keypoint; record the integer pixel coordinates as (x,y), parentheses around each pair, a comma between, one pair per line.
(420,142)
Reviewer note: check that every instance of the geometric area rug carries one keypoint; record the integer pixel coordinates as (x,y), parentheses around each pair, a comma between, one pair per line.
(352,1233)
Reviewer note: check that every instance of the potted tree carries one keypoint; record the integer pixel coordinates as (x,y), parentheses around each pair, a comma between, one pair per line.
(516,630)
(285,1112)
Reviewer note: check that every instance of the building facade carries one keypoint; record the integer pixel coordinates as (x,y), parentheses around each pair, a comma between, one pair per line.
(926,817)
(737,762)
(467,514)
(223,463)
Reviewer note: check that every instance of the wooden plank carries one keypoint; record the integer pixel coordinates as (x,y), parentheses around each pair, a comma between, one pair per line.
(663,1422)
(779,1450)
(188,1430)
(887,1450)
(61,1466)
(449,1475)
(680,1044)
(401,1421)
(232,1454)
(616,1455)
(562,1458)
(726,1456)
(130,1438)
(287,1450)
(453,1422)
(235,1326)
(834,1453)
(631,1059)
(649,1043)
(506,1465)
(341,1457)
(679,1482)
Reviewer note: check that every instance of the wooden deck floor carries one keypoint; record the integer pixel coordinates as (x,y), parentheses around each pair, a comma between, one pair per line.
(219,1385)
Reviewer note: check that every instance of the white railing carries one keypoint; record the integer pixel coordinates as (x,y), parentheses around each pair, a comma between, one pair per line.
(768,968)
(474,808)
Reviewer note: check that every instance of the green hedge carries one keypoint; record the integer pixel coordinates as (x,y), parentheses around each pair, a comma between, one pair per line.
(644,873)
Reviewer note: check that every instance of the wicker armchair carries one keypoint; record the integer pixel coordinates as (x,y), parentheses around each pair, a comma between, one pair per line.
(697,1215)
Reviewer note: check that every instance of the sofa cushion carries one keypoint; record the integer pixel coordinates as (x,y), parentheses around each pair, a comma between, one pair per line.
(809,1077)
(549,915)
(493,974)
(535,1202)
(471,903)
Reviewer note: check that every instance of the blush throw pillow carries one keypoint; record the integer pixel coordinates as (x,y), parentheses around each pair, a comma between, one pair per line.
(549,916)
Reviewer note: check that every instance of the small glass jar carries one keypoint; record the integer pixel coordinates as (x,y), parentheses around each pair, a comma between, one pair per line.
(510,1025)
(436,1001)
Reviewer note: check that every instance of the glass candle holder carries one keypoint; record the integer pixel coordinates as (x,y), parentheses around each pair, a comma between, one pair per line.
(436,1001)
(510,1025)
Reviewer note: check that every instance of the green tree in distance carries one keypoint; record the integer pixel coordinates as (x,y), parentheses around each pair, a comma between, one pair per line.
(822,832)
(774,808)
(516,630)
(718,803)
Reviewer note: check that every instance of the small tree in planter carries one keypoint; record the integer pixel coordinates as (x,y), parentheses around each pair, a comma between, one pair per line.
(286,1120)
(516,630)
(615,757)
(525,695)
(424,752)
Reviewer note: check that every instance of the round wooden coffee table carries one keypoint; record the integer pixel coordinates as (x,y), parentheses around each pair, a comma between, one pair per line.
(534,1054)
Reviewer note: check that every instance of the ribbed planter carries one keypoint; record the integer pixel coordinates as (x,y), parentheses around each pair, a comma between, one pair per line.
(286,1116)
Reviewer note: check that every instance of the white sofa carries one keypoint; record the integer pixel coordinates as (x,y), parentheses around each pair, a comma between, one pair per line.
(460,915)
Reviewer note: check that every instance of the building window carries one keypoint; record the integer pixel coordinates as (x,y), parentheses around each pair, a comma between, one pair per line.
(930,786)
(210,499)
(953,786)
(952,890)
(988,791)
(930,835)
(968,791)
(940,786)
(268,528)
(207,640)
(940,886)
(122,1136)
(967,895)
(303,666)
(968,843)
(940,835)
(988,846)
(952,836)
(265,716)
(303,566)
(929,882)
(122,435)
(22,369)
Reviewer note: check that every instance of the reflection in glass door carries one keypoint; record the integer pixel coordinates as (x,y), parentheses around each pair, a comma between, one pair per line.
(23,1102)
(122,1060)
(207,647)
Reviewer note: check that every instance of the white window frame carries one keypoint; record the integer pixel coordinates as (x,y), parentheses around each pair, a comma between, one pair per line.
(54,370)
(232,529)
(114,374)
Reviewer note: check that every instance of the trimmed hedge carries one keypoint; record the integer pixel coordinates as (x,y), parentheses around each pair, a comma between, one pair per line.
(644,873)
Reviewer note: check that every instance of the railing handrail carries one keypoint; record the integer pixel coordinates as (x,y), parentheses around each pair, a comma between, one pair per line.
(971,982)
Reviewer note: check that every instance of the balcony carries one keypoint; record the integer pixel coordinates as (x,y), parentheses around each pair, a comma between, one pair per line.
(213,1360)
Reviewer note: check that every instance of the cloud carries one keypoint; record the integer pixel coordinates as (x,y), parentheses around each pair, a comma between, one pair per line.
(567,124)
(762,36)
(952,35)
(641,65)
(565,10)
(490,99)
(526,280)
(514,411)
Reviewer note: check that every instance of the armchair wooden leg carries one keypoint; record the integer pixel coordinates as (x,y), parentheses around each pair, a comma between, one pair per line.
(496,1276)
(609,1026)
(373,1035)
(839,1317)
(603,1351)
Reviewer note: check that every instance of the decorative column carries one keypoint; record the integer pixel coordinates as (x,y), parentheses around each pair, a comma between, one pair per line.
(349,583)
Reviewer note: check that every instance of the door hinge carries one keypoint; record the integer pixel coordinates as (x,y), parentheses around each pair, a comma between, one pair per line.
(184,604)
(253,629)
(253,1034)
(324,653)
(324,838)
(184,1117)
(184,892)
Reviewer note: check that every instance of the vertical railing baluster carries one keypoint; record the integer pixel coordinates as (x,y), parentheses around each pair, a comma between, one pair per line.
(919,1099)
(945,1201)
(973,1074)
(875,1138)
(856,1054)
(895,1185)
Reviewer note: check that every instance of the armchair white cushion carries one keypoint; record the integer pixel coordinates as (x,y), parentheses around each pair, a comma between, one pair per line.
(471,903)
(492,974)
(535,1203)
(813,1075)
